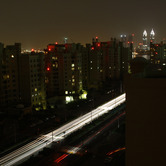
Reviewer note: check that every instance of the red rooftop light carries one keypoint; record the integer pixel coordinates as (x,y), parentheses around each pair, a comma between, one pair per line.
(48,69)
(32,49)
(92,48)
(98,44)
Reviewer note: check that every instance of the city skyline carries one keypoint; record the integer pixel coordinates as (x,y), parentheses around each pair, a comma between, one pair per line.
(35,24)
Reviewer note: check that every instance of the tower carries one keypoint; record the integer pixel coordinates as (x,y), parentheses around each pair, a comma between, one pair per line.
(123,39)
(152,36)
(145,46)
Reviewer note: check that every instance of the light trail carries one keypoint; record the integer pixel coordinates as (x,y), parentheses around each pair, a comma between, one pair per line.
(59,134)
(74,150)
(115,151)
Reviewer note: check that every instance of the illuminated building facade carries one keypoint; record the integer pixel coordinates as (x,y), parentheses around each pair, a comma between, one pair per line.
(104,61)
(123,39)
(152,36)
(63,65)
(145,42)
(158,54)
(32,80)
(9,81)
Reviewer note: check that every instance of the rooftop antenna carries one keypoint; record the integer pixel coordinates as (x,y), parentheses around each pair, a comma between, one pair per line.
(65,40)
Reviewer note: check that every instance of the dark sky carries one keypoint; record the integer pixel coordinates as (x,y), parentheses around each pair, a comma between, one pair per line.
(36,23)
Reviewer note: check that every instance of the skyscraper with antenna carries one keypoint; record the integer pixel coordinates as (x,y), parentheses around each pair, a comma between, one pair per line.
(145,35)
(152,36)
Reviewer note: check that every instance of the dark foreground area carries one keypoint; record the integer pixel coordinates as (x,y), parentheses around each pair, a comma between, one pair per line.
(100,151)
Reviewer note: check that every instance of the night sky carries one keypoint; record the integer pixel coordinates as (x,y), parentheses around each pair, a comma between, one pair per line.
(36,23)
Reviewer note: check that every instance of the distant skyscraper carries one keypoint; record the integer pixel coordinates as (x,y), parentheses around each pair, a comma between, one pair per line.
(124,40)
(145,46)
(152,36)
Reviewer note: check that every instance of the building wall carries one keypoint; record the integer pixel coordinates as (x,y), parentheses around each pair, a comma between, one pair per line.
(107,61)
(158,54)
(9,78)
(145,123)
(32,80)
(63,65)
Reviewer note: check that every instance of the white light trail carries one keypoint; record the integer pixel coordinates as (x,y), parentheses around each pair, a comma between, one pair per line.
(60,133)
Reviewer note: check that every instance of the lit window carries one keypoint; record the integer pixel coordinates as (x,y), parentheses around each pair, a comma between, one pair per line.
(72,68)
(69,99)
(73,80)
(35,89)
(90,61)
(12,56)
(66,92)
(72,65)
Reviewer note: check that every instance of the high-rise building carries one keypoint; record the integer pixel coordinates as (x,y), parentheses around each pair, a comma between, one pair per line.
(158,53)
(32,80)
(107,61)
(123,39)
(152,36)
(63,65)
(145,42)
(9,82)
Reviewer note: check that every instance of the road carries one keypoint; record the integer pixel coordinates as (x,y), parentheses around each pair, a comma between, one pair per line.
(45,140)
(87,141)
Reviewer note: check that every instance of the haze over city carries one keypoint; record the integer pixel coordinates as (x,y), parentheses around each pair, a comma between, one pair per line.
(82,82)
(37,23)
